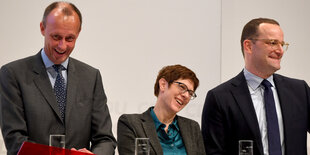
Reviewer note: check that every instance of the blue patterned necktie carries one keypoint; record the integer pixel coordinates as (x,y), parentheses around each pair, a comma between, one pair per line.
(60,90)
(273,132)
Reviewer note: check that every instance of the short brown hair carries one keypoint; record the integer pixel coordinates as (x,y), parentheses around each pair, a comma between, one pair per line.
(250,30)
(66,10)
(175,72)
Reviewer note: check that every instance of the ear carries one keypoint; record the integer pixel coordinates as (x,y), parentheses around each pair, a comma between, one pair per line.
(42,28)
(162,84)
(247,46)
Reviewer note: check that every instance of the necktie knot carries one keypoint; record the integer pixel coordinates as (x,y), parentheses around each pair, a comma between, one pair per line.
(266,84)
(58,68)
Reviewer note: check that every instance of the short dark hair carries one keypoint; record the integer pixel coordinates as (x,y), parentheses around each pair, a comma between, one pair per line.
(66,10)
(250,30)
(175,72)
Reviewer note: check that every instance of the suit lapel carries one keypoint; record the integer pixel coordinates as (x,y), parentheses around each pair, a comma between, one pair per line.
(42,82)
(72,88)
(284,99)
(150,131)
(286,109)
(242,96)
(187,139)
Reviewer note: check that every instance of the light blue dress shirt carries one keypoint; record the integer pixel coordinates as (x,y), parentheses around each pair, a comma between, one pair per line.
(52,74)
(257,95)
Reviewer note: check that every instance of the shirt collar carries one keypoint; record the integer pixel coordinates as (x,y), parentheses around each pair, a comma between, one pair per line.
(254,81)
(48,63)
(158,124)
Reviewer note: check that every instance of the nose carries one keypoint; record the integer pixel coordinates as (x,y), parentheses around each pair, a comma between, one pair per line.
(186,95)
(278,48)
(62,44)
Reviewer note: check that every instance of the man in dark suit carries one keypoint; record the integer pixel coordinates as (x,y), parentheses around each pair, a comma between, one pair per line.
(240,108)
(38,100)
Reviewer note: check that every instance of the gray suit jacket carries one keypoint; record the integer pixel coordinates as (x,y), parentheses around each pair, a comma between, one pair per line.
(29,110)
(131,126)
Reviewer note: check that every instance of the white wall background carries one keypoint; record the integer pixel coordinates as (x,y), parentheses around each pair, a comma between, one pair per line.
(131,40)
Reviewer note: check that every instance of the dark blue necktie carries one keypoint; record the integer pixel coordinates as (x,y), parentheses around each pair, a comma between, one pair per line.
(60,90)
(273,132)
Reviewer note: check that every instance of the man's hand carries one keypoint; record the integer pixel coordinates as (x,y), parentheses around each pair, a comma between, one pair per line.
(82,150)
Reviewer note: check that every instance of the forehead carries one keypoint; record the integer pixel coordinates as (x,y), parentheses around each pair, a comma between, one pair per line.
(58,21)
(271,31)
(189,83)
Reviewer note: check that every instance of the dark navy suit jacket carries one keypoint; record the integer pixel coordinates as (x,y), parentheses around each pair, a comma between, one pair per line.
(229,116)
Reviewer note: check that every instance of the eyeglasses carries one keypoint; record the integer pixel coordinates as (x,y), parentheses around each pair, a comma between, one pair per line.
(184,89)
(274,43)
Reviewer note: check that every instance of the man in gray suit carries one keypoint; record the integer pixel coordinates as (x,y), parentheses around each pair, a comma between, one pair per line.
(31,106)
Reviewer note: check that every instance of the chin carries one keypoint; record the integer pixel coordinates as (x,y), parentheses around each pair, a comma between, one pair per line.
(276,68)
(180,108)
(176,109)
